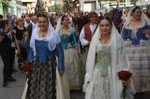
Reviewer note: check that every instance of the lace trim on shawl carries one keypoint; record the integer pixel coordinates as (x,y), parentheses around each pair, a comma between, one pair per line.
(52,38)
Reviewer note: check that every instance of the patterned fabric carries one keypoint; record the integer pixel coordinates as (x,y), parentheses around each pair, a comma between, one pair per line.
(74,69)
(41,83)
(135,34)
(43,53)
(88,32)
(102,74)
(118,63)
(73,62)
(130,92)
(103,59)
(69,40)
(139,57)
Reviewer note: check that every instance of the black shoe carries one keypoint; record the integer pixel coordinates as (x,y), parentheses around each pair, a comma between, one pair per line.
(11,79)
(5,84)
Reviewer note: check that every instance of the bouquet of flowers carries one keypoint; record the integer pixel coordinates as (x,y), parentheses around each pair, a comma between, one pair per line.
(125,76)
(26,68)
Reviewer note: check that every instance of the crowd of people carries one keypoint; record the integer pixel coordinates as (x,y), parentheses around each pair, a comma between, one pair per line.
(79,51)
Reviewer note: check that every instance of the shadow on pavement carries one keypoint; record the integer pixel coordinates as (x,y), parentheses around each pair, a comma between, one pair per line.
(143,95)
(78,94)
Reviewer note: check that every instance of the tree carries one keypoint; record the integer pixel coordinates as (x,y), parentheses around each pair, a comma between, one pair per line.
(56,7)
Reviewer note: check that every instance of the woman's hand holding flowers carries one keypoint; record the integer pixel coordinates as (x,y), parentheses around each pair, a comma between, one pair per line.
(26,68)
(126,77)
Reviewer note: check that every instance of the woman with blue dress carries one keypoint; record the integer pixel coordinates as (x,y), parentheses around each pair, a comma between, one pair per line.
(136,33)
(73,63)
(44,79)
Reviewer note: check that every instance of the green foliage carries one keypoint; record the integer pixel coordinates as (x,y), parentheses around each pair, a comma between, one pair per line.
(55,7)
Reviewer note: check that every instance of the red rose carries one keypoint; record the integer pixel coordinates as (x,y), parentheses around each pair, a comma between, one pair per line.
(124,75)
(26,67)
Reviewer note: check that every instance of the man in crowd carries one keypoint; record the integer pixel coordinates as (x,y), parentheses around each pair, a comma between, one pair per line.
(87,32)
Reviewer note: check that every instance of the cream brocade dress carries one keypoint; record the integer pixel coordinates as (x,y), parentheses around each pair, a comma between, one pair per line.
(102,81)
(73,62)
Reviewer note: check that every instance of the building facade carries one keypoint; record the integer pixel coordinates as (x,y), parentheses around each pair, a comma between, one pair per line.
(92,5)
(5,7)
(16,7)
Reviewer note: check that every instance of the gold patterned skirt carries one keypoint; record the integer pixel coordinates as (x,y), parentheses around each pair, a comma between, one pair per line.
(41,81)
(74,69)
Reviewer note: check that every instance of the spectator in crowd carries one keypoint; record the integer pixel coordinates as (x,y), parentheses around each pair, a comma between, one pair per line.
(79,22)
(19,30)
(116,18)
(6,52)
(87,33)
(32,25)
(27,21)
(24,46)
(101,15)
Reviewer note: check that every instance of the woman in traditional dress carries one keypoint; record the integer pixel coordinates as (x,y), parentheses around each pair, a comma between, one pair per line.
(44,79)
(73,64)
(106,57)
(136,33)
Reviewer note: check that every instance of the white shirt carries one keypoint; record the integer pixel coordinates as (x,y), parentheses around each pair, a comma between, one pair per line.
(26,24)
(82,34)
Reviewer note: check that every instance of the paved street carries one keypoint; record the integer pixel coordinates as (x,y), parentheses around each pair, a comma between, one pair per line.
(15,89)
